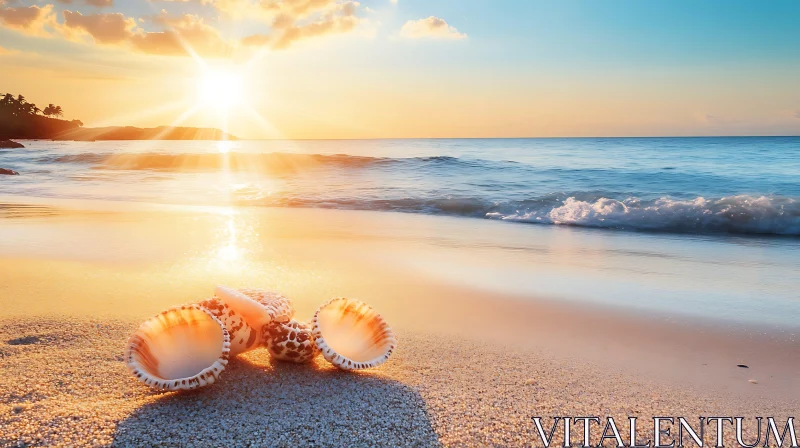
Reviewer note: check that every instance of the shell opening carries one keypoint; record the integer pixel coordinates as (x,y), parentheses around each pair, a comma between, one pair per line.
(180,345)
(354,330)
(253,312)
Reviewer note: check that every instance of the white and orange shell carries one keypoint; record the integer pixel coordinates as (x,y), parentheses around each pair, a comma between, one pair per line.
(182,348)
(280,308)
(290,341)
(245,312)
(243,337)
(351,335)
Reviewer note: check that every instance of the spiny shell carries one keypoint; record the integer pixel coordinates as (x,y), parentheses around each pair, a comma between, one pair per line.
(351,335)
(184,347)
(245,312)
(290,341)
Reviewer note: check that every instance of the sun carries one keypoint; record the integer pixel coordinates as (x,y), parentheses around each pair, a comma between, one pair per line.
(220,89)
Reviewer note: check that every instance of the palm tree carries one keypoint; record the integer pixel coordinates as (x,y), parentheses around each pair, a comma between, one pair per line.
(21,104)
(8,100)
(19,107)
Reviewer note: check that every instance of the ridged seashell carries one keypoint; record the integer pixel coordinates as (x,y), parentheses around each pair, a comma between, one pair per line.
(290,341)
(185,347)
(351,335)
(245,312)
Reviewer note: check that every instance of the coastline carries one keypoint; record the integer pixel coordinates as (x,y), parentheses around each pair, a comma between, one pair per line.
(473,366)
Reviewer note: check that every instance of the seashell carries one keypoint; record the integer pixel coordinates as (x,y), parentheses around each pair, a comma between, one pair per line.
(351,335)
(184,347)
(279,308)
(243,337)
(290,341)
(245,312)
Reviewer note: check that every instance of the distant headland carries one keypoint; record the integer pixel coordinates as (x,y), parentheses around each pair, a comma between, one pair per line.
(20,119)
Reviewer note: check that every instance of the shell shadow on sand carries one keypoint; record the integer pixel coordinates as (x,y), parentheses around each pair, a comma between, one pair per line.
(284,404)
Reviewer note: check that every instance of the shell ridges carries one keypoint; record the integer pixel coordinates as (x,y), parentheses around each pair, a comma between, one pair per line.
(362,321)
(144,364)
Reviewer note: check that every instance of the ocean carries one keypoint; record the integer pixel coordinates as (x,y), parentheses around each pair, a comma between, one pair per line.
(706,227)
(682,185)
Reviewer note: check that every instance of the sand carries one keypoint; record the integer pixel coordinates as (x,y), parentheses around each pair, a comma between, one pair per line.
(472,367)
(66,385)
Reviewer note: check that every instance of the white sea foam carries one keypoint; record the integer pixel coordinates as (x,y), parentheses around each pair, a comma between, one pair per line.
(733,214)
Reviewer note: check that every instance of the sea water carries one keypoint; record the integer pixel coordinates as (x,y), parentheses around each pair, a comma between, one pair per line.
(706,226)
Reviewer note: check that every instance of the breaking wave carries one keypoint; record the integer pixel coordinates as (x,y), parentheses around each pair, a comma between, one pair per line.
(618,206)
(734,214)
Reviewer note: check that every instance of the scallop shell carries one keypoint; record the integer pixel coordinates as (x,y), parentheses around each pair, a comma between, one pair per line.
(183,347)
(351,335)
(245,312)
(290,341)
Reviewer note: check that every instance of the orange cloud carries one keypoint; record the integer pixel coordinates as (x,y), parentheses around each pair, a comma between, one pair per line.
(290,21)
(185,31)
(30,20)
(432,27)
(184,34)
(107,28)
(341,19)
(298,8)
(99,3)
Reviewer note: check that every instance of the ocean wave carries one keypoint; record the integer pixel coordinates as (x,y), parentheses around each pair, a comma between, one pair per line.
(236,161)
(741,214)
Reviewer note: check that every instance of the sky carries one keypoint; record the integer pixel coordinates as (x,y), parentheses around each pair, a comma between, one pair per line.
(411,68)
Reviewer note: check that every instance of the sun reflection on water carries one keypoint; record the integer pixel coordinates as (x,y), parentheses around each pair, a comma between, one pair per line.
(225,146)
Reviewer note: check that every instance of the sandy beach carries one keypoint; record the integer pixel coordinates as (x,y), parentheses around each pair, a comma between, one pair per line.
(472,368)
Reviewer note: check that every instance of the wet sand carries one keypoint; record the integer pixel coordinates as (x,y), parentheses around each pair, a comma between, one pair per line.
(473,366)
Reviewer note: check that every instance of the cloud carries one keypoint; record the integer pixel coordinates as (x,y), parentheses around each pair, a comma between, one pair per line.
(432,27)
(298,8)
(95,3)
(184,32)
(107,28)
(99,3)
(289,21)
(797,114)
(394,2)
(30,20)
(340,18)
